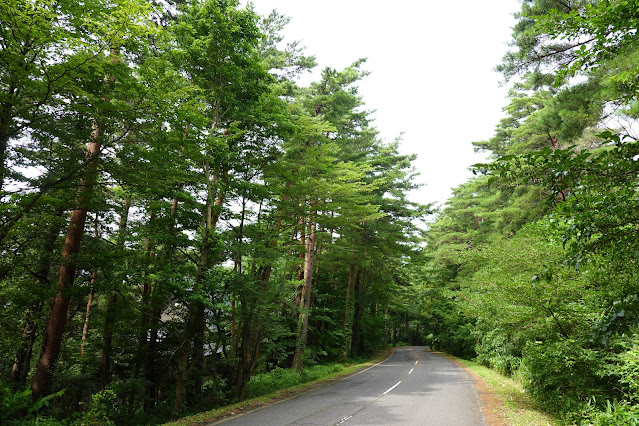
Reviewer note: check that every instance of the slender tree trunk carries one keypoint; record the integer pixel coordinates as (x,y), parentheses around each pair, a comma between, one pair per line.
(406,324)
(57,318)
(6,120)
(347,326)
(109,320)
(87,317)
(157,305)
(252,327)
(85,329)
(302,256)
(22,360)
(309,258)
(192,346)
(249,348)
(23,354)
(357,337)
(266,275)
(146,313)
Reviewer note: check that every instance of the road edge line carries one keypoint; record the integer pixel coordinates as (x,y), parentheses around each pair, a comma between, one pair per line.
(323,385)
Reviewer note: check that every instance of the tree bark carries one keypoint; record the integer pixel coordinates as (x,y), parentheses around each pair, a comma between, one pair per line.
(309,259)
(57,318)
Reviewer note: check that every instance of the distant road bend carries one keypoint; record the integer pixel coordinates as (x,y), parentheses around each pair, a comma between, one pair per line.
(412,387)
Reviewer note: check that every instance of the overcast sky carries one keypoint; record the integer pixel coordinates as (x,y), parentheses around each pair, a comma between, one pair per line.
(431,71)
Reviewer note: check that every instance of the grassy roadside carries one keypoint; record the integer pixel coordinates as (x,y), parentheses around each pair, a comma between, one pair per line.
(278,395)
(509,403)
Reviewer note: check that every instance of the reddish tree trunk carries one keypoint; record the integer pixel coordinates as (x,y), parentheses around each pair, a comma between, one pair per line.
(57,318)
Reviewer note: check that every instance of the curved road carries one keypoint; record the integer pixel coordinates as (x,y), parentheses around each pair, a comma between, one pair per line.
(412,387)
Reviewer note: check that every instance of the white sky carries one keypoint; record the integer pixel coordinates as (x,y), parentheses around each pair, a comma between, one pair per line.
(431,71)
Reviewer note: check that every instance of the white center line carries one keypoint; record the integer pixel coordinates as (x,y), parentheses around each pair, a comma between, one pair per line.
(394,386)
(416,362)
(411,370)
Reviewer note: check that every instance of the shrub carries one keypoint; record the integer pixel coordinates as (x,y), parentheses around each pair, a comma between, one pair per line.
(283,378)
(18,408)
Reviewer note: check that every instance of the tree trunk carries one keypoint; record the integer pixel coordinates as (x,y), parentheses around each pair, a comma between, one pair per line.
(192,347)
(22,360)
(109,320)
(309,258)
(87,317)
(157,306)
(357,346)
(347,326)
(85,329)
(145,310)
(57,317)
(6,121)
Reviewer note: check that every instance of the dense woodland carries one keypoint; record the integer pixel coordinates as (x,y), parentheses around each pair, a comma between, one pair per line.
(179,214)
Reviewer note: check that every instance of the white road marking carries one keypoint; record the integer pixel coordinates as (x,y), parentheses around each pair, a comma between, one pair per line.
(411,370)
(416,362)
(343,420)
(394,386)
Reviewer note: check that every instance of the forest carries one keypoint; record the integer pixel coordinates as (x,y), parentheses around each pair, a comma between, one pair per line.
(181,216)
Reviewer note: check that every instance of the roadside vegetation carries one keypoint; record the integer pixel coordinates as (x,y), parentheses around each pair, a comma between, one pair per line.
(532,265)
(508,401)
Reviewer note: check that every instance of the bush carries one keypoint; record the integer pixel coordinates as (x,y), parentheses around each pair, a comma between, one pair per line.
(101,411)
(18,408)
(283,378)
(562,375)
(615,413)
(498,351)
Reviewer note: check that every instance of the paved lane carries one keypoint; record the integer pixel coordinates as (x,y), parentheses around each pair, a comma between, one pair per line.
(412,387)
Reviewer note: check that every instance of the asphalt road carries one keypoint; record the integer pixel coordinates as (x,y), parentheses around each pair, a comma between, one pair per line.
(412,387)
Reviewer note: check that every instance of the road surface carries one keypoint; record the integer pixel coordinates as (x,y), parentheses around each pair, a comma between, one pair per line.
(412,387)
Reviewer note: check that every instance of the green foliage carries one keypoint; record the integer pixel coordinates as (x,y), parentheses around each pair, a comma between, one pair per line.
(19,408)
(282,378)
(611,414)
(101,410)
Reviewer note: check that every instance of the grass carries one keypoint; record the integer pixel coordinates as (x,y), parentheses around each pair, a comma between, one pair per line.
(279,385)
(513,404)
